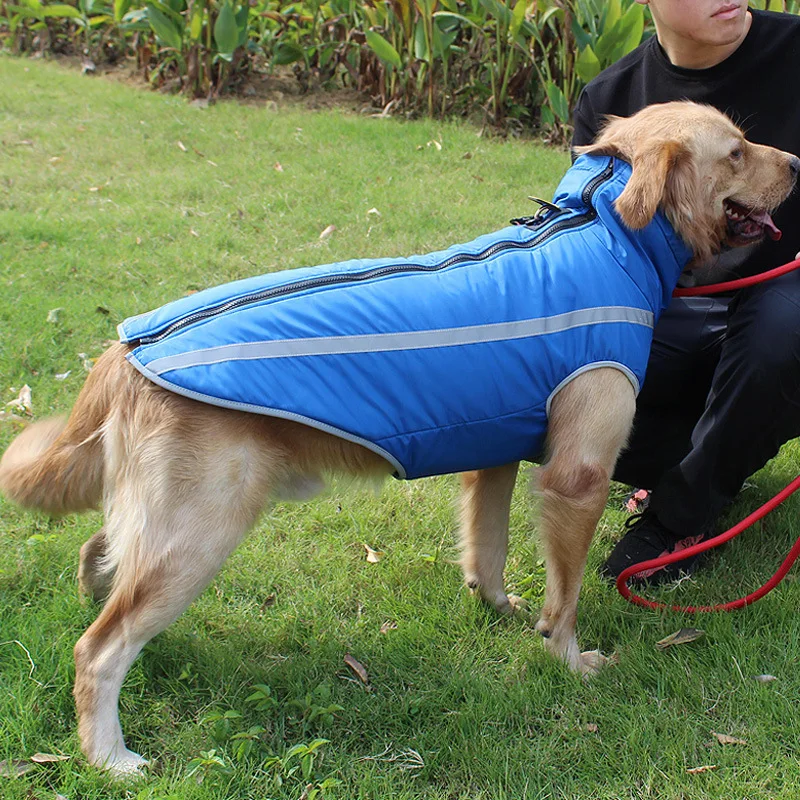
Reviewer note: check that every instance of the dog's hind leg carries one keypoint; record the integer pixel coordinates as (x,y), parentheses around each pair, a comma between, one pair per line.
(485,504)
(590,419)
(180,504)
(148,595)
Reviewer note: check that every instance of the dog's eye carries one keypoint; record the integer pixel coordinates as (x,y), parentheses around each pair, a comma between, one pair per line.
(736,154)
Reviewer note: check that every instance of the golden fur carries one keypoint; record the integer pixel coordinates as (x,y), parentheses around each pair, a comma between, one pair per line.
(182,482)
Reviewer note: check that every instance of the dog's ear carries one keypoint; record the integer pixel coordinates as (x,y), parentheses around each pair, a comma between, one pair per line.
(609,140)
(655,168)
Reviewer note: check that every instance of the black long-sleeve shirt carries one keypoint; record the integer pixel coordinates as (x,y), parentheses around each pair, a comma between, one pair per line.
(758,86)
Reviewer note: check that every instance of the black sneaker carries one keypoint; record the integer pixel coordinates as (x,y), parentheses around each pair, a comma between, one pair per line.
(637,501)
(647,538)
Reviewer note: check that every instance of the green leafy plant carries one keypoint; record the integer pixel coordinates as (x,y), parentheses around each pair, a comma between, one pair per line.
(261,698)
(515,62)
(600,32)
(222,724)
(315,709)
(305,756)
(207,765)
(246,742)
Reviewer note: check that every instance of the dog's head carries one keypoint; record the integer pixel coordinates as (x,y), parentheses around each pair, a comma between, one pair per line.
(714,186)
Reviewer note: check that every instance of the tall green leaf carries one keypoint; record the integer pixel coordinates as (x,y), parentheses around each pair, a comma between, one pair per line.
(286,53)
(242,16)
(164,28)
(517,18)
(383,49)
(196,21)
(558,103)
(421,49)
(226,32)
(587,64)
(633,24)
(121,9)
(61,11)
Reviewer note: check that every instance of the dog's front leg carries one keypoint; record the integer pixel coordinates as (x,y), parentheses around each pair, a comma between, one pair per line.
(590,419)
(485,504)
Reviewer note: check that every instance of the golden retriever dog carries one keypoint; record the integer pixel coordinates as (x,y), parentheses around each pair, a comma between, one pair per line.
(182,481)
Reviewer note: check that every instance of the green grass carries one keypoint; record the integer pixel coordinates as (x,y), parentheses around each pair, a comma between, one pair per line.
(473,696)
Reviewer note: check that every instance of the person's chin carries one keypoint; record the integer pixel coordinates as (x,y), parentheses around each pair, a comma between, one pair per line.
(728,26)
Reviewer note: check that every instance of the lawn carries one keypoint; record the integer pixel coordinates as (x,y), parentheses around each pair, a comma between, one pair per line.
(114,200)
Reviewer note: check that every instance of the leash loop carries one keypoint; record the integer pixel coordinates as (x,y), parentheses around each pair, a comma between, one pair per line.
(662,561)
(634,569)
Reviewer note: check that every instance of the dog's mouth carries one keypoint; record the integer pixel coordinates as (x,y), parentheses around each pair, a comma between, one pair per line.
(748,225)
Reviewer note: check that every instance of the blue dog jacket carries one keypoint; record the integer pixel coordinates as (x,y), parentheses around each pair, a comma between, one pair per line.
(440,363)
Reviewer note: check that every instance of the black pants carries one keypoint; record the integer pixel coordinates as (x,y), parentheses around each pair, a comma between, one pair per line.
(722,394)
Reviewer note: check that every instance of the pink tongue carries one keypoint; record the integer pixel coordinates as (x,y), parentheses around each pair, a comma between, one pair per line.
(765,219)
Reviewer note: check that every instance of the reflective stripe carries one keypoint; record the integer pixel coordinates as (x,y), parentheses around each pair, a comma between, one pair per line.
(250,408)
(404,340)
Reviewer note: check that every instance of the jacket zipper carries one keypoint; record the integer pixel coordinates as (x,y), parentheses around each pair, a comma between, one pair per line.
(390,269)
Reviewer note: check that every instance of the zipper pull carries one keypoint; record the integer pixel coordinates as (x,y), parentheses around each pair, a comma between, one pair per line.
(545,211)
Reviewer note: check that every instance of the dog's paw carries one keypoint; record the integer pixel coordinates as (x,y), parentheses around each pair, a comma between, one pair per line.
(592,661)
(512,604)
(502,603)
(128,766)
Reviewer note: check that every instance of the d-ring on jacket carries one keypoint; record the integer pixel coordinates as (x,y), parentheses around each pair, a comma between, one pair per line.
(440,363)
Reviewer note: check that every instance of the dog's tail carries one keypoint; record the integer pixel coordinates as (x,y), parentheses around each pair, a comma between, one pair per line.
(57,465)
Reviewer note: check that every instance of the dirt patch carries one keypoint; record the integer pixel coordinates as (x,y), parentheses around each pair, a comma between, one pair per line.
(280,87)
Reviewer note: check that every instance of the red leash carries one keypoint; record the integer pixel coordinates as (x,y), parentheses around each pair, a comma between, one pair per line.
(739,283)
(634,569)
(629,572)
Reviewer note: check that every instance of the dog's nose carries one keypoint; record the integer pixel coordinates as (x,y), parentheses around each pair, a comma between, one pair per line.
(794,167)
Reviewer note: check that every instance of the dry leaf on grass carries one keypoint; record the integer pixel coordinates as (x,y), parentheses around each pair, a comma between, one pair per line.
(15,768)
(388,626)
(683,636)
(182,145)
(327,232)
(52,314)
(278,167)
(20,766)
(87,362)
(23,402)
(374,212)
(723,738)
(764,678)
(373,556)
(698,770)
(407,759)
(591,727)
(358,668)
(269,601)
(47,758)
